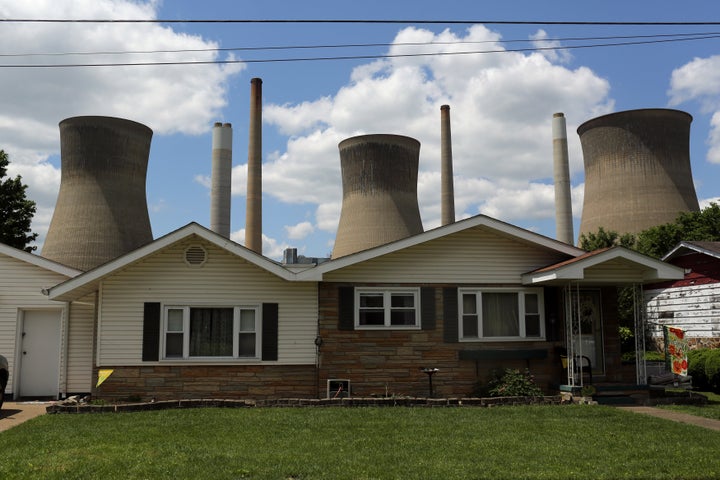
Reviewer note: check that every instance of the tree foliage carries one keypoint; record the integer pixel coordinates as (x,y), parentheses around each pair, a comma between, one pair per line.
(16,211)
(605,239)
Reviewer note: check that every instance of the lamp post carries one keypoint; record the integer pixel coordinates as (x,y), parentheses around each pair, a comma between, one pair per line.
(429,371)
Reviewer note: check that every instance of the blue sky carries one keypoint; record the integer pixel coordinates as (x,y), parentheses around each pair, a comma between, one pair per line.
(501,103)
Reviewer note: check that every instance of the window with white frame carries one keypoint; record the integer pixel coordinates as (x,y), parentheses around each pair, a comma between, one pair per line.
(501,314)
(211,332)
(377,308)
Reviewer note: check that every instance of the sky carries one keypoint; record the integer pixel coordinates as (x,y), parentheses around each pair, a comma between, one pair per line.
(502,76)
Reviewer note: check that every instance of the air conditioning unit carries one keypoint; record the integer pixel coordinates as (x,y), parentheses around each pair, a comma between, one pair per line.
(338,388)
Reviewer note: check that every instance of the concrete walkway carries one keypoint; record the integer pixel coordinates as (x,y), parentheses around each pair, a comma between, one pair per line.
(15,413)
(676,416)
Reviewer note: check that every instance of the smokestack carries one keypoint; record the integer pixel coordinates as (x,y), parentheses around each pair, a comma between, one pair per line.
(253,215)
(101,210)
(637,170)
(561,167)
(447,192)
(221,179)
(379,177)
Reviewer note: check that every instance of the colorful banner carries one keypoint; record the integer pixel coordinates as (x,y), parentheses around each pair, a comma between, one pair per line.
(676,350)
(102,376)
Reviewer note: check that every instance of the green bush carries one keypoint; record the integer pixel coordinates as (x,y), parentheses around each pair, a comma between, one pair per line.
(696,368)
(514,384)
(712,369)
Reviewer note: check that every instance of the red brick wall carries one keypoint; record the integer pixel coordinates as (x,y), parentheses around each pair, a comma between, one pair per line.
(223,382)
(379,362)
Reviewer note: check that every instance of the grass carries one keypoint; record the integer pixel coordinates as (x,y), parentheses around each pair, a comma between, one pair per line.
(711,410)
(360,443)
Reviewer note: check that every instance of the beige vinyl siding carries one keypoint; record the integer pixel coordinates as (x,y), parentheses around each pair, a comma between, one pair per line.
(20,289)
(79,377)
(224,280)
(617,272)
(475,256)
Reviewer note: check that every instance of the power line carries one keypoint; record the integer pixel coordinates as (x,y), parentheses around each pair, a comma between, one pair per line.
(362,21)
(702,35)
(354,57)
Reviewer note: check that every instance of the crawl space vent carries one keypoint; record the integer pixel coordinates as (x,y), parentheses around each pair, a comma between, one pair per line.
(195,256)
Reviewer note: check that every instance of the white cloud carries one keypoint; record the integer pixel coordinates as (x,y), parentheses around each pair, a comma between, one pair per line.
(271,247)
(299,231)
(501,108)
(550,49)
(35,100)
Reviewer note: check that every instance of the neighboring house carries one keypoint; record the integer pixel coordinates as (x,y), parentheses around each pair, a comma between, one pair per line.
(37,338)
(194,315)
(693,302)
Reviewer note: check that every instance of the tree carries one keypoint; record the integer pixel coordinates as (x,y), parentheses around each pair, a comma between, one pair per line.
(605,239)
(16,211)
(702,226)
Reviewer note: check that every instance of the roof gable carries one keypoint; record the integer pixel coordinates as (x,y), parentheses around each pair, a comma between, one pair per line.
(479,221)
(711,249)
(38,261)
(609,265)
(88,281)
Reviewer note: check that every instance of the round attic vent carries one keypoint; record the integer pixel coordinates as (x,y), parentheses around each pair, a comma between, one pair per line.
(195,256)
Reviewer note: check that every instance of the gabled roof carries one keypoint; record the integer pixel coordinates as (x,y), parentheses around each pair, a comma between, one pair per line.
(89,281)
(608,265)
(711,249)
(38,261)
(479,220)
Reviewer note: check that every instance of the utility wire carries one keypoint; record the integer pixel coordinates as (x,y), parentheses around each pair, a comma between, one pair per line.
(360,45)
(359,21)
(358,57)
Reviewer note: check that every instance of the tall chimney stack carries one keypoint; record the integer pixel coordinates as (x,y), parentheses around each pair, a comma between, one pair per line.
(561,168)
(221,179)
(253,214)
(447,191)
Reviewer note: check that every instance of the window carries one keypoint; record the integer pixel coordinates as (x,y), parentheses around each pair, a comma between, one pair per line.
(501,314)
(387,308)
(211,332)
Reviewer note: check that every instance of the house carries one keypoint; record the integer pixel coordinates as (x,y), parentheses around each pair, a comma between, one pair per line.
(693,302)
(48,354)
(195,315)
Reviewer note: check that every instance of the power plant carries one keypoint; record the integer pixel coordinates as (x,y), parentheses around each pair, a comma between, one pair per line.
(379,180)
(101,210)
(637,170)
(447,188)
(561,173)
(221,178)
(253,213)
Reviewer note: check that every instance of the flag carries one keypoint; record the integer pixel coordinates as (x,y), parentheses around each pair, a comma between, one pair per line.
(676,350)
(102,376)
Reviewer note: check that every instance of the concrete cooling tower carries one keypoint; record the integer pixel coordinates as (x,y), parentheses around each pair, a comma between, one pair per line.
(380,205)
(637,170)
(101,210)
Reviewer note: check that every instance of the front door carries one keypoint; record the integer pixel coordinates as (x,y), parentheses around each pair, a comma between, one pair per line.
(40,353)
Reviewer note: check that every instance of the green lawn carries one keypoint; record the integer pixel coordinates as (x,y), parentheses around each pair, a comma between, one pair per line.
(711,410)
(360,443)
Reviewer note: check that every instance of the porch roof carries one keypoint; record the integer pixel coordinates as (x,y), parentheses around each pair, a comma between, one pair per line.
(608,266)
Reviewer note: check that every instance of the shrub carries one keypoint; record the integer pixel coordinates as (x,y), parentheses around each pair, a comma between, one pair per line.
(514,384)
(712,370)
(696,368)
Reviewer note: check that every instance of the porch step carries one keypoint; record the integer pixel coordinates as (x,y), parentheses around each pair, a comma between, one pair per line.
(614,394)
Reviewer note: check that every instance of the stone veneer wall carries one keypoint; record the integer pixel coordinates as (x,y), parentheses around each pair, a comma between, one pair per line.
(389,362)
(199,382)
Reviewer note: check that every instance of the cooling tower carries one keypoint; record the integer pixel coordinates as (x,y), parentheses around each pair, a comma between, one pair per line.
(637,170)
(447,190)
(253,210)
(101,210)
(379,179)
(561,170)
(221,179)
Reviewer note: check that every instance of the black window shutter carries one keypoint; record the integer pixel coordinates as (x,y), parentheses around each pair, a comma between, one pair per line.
(346,308)
(151,332)
(427,308)
(270,331)
(450,314)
